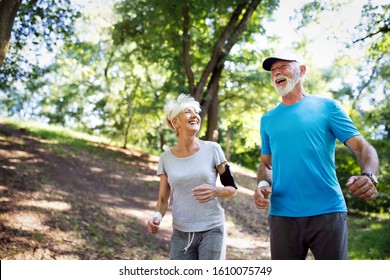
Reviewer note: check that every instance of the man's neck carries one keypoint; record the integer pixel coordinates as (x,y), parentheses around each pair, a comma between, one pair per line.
(296,95)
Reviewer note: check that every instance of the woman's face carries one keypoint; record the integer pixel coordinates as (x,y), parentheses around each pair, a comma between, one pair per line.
(189,119)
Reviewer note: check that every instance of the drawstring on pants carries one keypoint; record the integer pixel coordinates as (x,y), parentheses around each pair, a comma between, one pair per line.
(190,239)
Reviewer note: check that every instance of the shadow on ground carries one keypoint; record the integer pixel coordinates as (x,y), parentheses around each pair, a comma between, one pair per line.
(61,202)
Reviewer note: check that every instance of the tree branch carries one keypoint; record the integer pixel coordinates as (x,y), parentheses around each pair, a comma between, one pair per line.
(232,40)
(217,49)
(384,29)
(242,25)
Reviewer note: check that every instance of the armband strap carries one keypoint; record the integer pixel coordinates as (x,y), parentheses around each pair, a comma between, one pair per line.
(227,178)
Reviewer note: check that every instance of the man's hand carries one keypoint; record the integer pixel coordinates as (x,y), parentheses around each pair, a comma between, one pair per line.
(261,197)
(362,187)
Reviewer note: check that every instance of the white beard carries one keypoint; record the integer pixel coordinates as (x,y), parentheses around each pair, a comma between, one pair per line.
(291,83)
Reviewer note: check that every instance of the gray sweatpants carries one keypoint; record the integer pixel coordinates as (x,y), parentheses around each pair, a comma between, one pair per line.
(204,245)
(325,235)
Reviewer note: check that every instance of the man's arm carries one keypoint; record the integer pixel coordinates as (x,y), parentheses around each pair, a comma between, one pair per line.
(264,180)
(264,172)
(367,157)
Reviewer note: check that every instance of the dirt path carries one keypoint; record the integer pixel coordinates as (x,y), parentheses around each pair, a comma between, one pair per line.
(61,202)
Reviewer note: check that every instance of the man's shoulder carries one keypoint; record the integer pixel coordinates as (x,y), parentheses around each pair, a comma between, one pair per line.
(326,103)
(320,99)
(271,112)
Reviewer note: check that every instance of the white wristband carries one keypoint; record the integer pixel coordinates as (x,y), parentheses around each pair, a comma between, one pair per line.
(158,216)
(263,184)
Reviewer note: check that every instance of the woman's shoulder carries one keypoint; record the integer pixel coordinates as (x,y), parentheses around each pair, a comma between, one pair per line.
(166,153)
(211,145)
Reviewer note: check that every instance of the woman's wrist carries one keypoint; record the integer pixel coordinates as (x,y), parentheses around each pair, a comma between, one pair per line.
(158,216)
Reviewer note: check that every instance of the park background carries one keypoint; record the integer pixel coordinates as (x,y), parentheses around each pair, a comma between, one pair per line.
(82,86)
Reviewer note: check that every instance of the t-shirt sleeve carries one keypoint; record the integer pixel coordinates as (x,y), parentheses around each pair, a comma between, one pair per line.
(265,147)
(218,155)
(160,167)
(341,124)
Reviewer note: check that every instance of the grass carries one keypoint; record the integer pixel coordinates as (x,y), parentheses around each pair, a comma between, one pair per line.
(73,143)
(53,132)
(369,237)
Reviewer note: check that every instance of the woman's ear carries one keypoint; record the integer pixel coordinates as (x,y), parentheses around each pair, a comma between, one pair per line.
(175,123)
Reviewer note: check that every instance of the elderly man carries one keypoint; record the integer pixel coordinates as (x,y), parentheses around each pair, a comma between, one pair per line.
(307,207)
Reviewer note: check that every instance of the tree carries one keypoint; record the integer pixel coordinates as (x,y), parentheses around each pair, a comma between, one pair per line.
(193,39)
(8,10)
(31,25)
(374,36)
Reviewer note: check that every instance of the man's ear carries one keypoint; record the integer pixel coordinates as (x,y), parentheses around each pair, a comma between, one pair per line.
(302,70)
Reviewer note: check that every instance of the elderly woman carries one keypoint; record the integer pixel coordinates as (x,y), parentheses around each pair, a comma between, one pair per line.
(188,172)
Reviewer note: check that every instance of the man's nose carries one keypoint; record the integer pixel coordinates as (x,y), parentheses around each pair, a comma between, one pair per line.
(275,71)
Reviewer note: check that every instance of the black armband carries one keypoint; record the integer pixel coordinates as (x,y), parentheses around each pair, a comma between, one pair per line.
(227,178)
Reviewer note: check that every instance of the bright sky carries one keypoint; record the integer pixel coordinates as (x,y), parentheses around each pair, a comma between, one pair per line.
(326,39)
(323,48)
(324,45)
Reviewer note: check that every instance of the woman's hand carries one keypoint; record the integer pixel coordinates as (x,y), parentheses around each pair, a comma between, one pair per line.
(204,193)
(153,225)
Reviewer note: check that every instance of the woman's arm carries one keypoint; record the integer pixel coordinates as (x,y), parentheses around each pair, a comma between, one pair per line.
(163,195)
(205,192)
(153,225)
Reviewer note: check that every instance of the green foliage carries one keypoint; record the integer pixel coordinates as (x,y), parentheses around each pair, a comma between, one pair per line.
(347,166)
(54,134)
(156,30)
(38,24)
(113,75)
(311,11)
(369,237)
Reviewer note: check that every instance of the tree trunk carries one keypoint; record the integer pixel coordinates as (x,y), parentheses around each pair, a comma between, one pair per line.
(210,104)
(217,51)
(227,150)
(227,40)
(232,40)
(212,115)
(162,140)
(8,10)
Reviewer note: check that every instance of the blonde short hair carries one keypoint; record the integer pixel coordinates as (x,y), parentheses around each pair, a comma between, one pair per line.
(174,107)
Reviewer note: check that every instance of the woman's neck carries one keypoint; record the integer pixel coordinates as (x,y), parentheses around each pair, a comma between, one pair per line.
(186,146)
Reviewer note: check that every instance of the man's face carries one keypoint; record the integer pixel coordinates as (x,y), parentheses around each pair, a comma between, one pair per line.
(285,76)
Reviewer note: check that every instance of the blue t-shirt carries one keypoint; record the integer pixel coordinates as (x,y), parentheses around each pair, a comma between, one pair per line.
(301,139)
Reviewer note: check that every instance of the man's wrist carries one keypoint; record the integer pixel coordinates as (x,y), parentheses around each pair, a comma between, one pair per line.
(263,183)
(372,177)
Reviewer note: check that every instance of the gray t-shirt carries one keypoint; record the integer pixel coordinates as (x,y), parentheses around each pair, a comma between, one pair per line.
(184,174)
